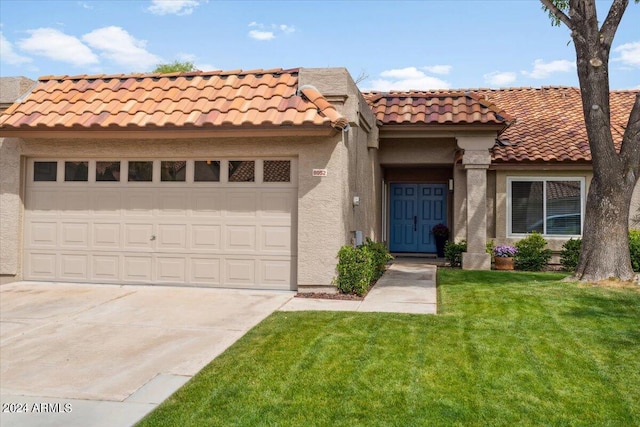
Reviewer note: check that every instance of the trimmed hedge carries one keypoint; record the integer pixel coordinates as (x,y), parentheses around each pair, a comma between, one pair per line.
(532,253)
(359,267)
(570,254)
(453,252)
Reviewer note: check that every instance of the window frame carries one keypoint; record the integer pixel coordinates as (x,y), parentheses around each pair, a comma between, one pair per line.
(544,180)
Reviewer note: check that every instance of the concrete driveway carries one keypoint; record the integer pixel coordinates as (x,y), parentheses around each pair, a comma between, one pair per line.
(76,354)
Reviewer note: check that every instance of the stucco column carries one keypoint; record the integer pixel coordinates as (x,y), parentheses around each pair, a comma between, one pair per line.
(10,208)
(476,161)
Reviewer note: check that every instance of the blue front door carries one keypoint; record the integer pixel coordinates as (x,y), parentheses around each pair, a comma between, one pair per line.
(415,209)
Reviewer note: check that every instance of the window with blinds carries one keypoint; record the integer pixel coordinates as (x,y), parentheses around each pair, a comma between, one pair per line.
(549,206)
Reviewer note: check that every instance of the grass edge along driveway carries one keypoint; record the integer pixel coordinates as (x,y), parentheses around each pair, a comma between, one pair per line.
(507,348)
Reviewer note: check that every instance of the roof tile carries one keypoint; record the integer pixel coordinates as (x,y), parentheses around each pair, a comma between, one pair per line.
(196,99)
(544,124)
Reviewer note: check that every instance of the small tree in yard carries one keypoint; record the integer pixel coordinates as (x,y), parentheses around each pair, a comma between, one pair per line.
(605,244)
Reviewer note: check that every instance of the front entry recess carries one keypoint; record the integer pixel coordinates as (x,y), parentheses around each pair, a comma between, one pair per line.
(415,209)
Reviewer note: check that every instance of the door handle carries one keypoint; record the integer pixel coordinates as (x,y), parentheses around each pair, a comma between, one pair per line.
(415,223)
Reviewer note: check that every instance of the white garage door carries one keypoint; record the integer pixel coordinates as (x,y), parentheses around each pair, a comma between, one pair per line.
(210,222)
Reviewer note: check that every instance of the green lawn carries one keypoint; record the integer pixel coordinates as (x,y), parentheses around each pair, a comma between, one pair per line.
(507,349)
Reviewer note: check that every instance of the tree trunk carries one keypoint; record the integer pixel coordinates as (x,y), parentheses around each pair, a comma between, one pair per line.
(605,244)
(605,250)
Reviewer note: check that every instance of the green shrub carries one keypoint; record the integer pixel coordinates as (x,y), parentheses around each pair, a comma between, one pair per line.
(489,246)
(381,257)
(570,254)
(358,268)
(453,252)
(532,254)
(634,249)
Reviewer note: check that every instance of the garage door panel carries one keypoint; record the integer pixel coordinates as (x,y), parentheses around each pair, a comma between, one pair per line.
(74,266)
(276,239)
(138,236)
(41,266)
(137,269)
(43,202)
(172,203)
(105,267)
(106,202)
(241,203)
(241,238)
(42,234)
(138,203)
(208,203)
(205,237)
(171,269)
(205,271)
(240,271)
(75,203)
(275,272)
(230,234)
(75,234)
(106,235)
(171,236)
(278,204)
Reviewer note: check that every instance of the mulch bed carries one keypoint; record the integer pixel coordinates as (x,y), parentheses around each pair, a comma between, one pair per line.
(326,295)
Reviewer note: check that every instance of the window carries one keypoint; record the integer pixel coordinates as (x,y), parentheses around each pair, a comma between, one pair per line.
(207,171)
(277,171)
(107,171)
(76,171)
(241,171)
(141,171)
(550,206)
(45,171)
(173,171)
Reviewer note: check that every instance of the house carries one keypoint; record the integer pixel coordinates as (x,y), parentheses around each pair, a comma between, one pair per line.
(256,178)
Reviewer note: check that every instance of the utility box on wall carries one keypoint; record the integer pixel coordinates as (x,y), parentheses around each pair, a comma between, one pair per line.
(358,238)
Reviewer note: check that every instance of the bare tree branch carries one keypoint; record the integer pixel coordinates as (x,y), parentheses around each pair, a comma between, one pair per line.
(557,13)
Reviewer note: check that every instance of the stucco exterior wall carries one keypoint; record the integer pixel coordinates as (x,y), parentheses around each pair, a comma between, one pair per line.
(10,209)
(320,220)
(412,151)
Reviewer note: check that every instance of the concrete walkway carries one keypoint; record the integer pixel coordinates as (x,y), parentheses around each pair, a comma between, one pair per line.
(408,286)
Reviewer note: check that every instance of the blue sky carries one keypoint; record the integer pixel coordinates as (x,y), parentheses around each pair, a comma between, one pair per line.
(392,44)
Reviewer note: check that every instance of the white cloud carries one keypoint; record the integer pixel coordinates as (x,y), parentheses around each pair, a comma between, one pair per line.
(84,5)
(261,35)
(629,54)
(173,7)
(8,54)
(438,69)
(58,46)
(287,29)
(117,45)
(498,78)
(543,69)
(268,32)
(409,78)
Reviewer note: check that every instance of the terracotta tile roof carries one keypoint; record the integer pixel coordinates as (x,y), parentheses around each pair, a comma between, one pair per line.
(544,124)
(265,98)
(434,108)
(549,123)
